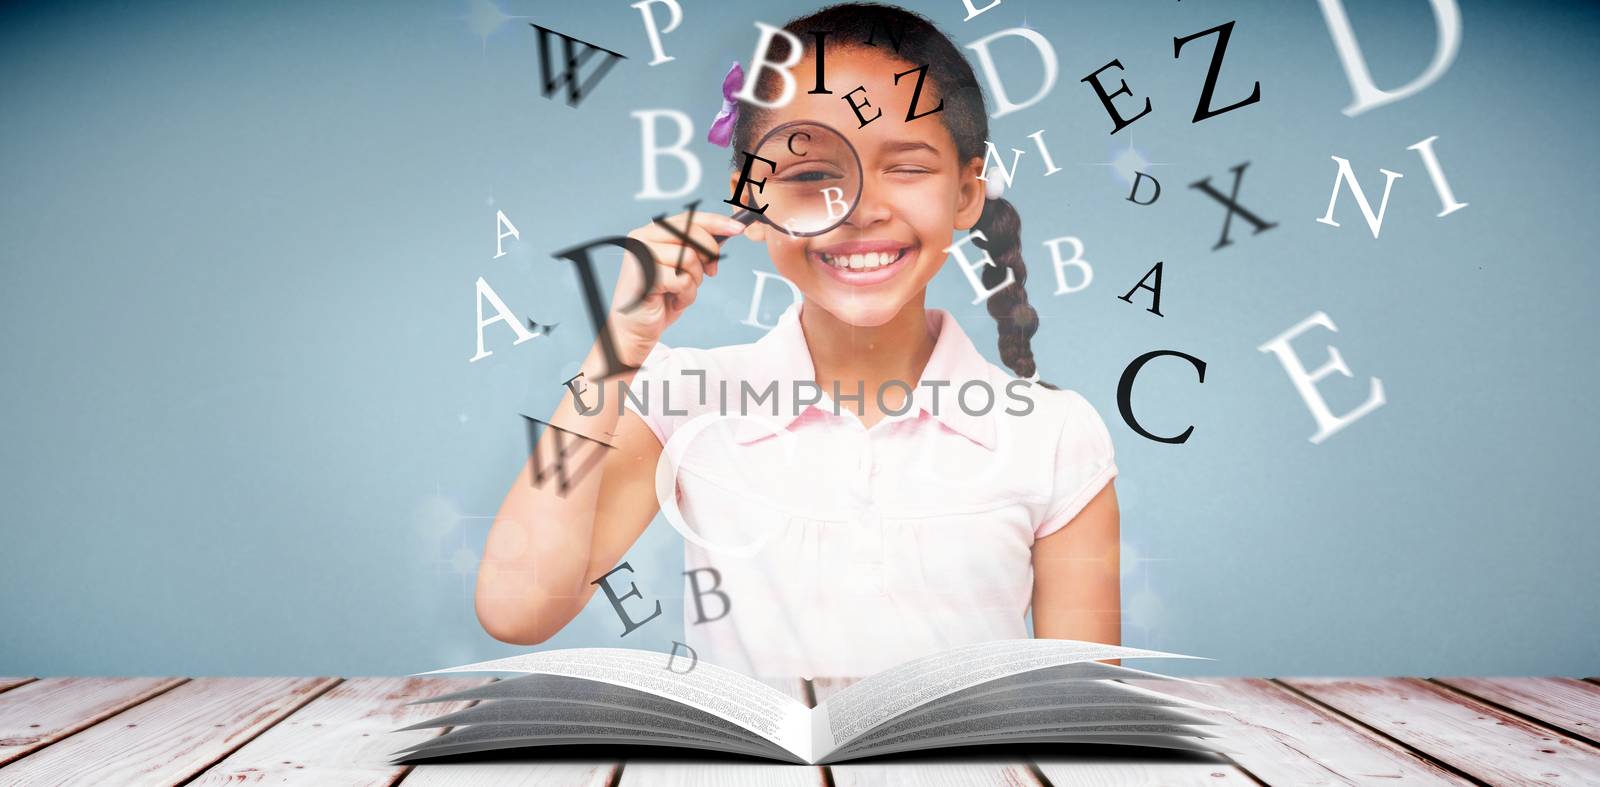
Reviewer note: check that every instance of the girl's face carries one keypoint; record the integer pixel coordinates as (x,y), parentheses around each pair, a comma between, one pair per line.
(915,193)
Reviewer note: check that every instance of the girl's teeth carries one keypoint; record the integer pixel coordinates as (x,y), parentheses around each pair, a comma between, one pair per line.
(860,261)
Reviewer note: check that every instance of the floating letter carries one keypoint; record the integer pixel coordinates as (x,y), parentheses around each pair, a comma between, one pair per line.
(574,64)
(1345,174)
(1446,18)
(1047,56)
(674,18)
(628,625)
(678,150)
(1306,383)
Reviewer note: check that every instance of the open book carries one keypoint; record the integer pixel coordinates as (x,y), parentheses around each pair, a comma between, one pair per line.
(1007,691)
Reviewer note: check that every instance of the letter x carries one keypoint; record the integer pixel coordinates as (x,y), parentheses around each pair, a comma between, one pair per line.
(1232,203)
(683,235)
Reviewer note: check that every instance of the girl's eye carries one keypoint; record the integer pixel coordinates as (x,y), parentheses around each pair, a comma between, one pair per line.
(910,171)
(808,177)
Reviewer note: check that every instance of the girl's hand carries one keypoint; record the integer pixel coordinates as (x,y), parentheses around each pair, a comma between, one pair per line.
(637,331)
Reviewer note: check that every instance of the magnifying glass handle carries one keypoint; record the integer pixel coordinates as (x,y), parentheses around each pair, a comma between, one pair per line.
(745,217)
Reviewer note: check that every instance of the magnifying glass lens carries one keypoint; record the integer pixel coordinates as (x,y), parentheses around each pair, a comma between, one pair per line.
(816,179)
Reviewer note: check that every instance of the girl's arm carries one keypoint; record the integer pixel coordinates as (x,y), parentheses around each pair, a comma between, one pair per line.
(546,547)
(548,544)
(1077,587)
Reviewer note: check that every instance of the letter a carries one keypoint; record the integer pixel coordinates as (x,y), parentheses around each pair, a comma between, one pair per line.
(501,314)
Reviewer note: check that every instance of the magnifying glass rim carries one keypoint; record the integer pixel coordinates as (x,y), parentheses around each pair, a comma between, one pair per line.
(860,176)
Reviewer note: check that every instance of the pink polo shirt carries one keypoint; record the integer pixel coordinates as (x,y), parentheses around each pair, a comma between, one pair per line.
(843,550)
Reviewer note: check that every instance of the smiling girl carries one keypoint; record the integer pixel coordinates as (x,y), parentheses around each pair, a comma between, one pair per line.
(889,516)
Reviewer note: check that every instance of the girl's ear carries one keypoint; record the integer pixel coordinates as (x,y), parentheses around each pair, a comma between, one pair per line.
(970,195)
(757,231)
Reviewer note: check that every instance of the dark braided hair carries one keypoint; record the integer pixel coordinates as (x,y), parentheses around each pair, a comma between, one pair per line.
(898,30)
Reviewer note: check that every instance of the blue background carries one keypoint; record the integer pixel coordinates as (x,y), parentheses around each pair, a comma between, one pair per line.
(239,241)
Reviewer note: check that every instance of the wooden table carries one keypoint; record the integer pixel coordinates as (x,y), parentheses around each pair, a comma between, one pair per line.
(203,731)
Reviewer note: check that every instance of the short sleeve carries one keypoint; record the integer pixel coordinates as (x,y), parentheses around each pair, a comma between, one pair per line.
(1084,463)
(658,371)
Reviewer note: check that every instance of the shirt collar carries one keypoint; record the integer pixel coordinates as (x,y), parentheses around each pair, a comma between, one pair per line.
(783,356)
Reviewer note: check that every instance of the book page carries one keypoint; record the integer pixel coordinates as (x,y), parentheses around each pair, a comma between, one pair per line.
(524,699)
(721,692)
(879,698)
(1079,702)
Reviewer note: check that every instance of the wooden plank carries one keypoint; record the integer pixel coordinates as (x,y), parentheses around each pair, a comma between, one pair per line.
(1470,736)
(962,773)
(512,774)
(1281,738)
(37,714)
(687,773)
(170,738)
(1107,772)
(344,737)
(11,683)
(1565,703)
(672,773)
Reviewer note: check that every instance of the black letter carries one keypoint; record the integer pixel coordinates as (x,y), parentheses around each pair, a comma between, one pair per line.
(916,93)
(1155,301)
(559,447)
(1100,90)
(694,658)
(857,107)
(683,235)
(821,69)
(574,65)
(1233,205)
(716,582)
(744,177)
(616,601)
(1203,109)
(1125,392)
(579,255)
(888,32)
(1135,190)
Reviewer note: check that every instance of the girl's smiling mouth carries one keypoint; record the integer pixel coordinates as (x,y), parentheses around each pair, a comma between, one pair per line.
(863,262)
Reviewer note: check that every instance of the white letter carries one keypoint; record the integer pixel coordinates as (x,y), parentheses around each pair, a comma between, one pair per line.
(972,12)
(1447,198)
(667,479)
(1038,139)
(501,313)
(1047,55)
(755,300)
(836,198)
(970,268)
(1054,245)
(679,150)
(674,16)
(1446,19)
(759,61)
(1005,174)
(1374,223)
(506,229)
(1306,384)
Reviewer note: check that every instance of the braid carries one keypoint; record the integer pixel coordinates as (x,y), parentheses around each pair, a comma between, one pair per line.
(1017,319)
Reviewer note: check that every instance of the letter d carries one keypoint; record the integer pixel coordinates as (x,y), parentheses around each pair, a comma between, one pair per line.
(694,658)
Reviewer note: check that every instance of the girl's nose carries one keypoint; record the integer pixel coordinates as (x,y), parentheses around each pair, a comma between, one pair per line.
(870,210)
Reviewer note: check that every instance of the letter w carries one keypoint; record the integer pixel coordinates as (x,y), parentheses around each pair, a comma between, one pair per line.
(574,64)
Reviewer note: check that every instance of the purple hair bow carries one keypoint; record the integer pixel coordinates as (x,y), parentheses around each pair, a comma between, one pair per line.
(721,133)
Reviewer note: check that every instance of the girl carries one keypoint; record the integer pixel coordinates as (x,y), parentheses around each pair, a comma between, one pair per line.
(911,520)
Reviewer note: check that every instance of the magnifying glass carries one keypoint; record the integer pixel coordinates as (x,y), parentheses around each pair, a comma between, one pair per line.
(814,182)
